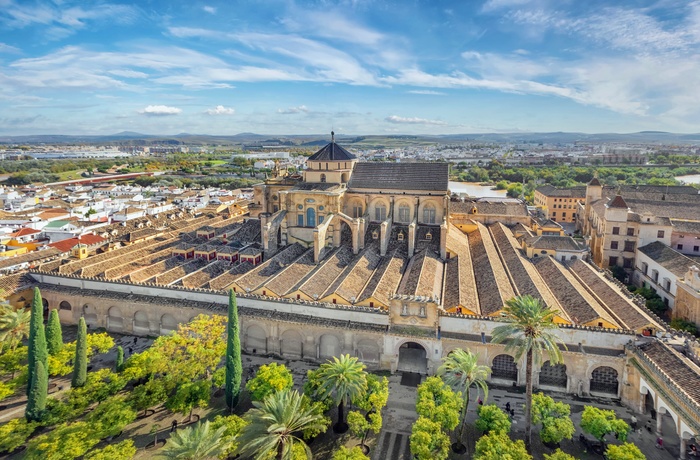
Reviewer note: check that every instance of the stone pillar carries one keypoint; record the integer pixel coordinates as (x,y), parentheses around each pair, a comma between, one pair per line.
(659,419)
(684,448)
(443,239)
(355,237)
(318,245)
(412,238)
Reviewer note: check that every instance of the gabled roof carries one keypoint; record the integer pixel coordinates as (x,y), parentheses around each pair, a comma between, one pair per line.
(24,232)
(87,239)
(57,224)
(332,152)
(595,182)
(618,202)
(400,176)
(669,258)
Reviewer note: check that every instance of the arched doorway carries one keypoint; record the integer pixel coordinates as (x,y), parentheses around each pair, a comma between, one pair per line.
(255,339)
(310,217)
(141,323)
(604,380)
(168,324)
(504,368)
(328,346)
(368,351)
(65,306)
(90,315)
(553,376)
(413,358)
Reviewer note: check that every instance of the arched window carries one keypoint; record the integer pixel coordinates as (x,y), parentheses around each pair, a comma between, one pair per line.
(404,213)
(380,212)
(429,214)
(323,178)
(310,217)
(356,209)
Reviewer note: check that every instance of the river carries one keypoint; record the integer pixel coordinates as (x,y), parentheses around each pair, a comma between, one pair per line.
(692,179)
(475,189)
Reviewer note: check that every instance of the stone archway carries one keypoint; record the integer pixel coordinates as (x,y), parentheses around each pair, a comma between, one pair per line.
(255,339)
(115,320)
(329,347)
(64,305)
(168,324)
(553,376)
(413,357)
(503,367)
(291,344)
(604,379)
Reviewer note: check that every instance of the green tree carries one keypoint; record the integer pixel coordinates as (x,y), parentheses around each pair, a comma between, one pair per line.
(371,403)
(437,402)
(428,441)
(149,394)
(268,379)
(559,455)
(111,417)
(343,453)
(37,352)
(14,434)
(198,442)
(492,419)
(344,379)
(65,442)
(188,396)
(233,425)
(124,450)
(273,424)
(80,360)
(530,331)
(14,326)
(626,451)
(555,418)
(601,422)
(36,401)
(119,363)
(234,367)
(54,335)
(461,370)
(498,446)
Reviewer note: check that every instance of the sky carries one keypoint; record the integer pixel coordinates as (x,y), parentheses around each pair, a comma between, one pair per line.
(355,66)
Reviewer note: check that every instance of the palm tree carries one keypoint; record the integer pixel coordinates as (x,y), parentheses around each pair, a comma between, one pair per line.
(529,332)
(460,370)
(272,425)
(199,441)
(14,325)
(344,380)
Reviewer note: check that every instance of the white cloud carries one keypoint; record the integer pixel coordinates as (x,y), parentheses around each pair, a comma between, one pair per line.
(159,110)
(492,5)
(428,92)
(5,48)
(128,73)
(221,110)
(209,9)
(413,121)
(293,110)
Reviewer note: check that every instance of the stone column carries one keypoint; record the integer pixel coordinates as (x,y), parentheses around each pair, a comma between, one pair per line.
(659,418)
(684,448)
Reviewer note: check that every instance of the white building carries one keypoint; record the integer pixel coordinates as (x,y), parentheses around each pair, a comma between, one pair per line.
(660,267)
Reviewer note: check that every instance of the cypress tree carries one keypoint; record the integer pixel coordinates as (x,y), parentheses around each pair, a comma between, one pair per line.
(36,401)
(54,335)
(80,361)
(119,365)
(234,367)
(36,351)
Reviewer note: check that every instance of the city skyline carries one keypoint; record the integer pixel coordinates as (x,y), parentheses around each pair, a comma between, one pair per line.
(370,67)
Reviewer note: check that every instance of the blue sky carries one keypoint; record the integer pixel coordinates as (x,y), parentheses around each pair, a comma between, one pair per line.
(360,67)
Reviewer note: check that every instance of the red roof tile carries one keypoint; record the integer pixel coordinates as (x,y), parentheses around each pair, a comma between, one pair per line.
(66,245)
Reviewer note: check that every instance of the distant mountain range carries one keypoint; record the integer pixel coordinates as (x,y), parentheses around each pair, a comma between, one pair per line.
(252,139)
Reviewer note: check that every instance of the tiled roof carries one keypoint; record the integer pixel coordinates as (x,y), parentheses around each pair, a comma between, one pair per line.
(67,245)
(29,258)
(685,226)
(332,152)
(459,284)
(400,176)
(138,263)
(12,284)
(491,279)
(294,274)
(669,258)
(202,277)
(595,182)
(225,280)
(571,192)
(386,277)
(24,232)
(174,274)
(619,305)
(423,276)
(327,272)
(360,273)
(141,275)
(618,202)
(256,277)
(556,242)
(487,207)
(683,374)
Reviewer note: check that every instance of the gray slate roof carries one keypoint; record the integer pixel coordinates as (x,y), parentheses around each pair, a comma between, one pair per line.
(400,176)
(563,243)
(332,152)
(670,259)
(571,192)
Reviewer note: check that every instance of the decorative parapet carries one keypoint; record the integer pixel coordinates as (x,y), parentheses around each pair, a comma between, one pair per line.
(562,326)
(313,303)
(674,394)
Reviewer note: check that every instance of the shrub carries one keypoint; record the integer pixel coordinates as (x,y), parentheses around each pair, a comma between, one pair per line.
(492,420)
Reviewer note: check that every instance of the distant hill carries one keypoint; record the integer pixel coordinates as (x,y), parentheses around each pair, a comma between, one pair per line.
(252,139)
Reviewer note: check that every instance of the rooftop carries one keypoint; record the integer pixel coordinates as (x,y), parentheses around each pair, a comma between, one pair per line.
(669,258)
(400,176)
